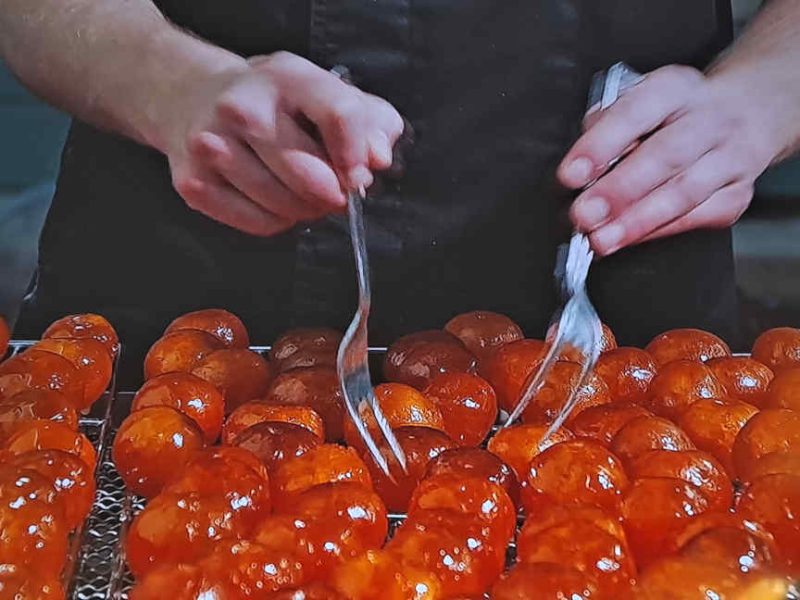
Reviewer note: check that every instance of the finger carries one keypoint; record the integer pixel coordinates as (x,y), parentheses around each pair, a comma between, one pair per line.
(385,128)
(637,113)
(672,200)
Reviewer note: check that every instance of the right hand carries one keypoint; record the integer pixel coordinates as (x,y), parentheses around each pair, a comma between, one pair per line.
(275,141)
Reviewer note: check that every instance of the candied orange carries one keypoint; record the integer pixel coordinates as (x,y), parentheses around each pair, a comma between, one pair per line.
(588,548)
(686,344)
(680,384)
(71,478)
(713,426)
(601,423)
(241,375)
(242,455)
(179,352)
(194,397)
(517,445)
(252,413)
(685,577)
(642,434)
(289,531)
(379,574)
(508,367)
(550,582)
(40,370)
(774,502)
(574,472)
(468,404)
(693,466)
(475,462)
(51,435)
(743,378)
(654,510)
(415,359)
(312,591)
(420,445)
(90,358)
(627,373)
(735,547)
(5,337)
(558,514)
(306,347)
(607,343)
(774,464)
(223,325)
(315,387)
(84,326)
(778,348)
(152,445)
(36,404)
(20,583)
(183,582)
(772,430)
(483,330)
(276,442)
(326,463)
(784,390)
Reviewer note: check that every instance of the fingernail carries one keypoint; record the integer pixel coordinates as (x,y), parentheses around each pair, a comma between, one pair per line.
(360,177)
(579,171)
(608,239)
(592,212)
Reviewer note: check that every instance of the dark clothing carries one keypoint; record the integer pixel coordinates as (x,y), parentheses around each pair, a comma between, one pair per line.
(495,92)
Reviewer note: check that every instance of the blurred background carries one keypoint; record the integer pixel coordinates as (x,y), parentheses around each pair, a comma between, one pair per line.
(766,247)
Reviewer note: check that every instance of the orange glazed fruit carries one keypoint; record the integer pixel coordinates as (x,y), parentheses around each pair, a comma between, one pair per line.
(475,462)
(378,574)
(190,395)
(734,547)
(327,463)
(743,378)
(233,453)
(481,330)
(627,373)
(684,577)
(183,582)
(306,347)
(775,464)
(784,391)
(654,510)
(468,405)
(574,472)
(774,502)
(693,466)
(36,404)
(507,369)
(276,442)
(241,375)
(179,352)
(601,423)
(607,343)
(85,326)
(643,434)
(517,445)
(51,435)
(223,325)
(20,583)
(551,582)
(40,370)
(680,384)
(152,446)
(90,358)
(5,337)
(686,344)
(279,533)
(773,430)
(420,445)
(417,358)
(312,591)
(253,413)
(778,348)
(558,514)
(315,387)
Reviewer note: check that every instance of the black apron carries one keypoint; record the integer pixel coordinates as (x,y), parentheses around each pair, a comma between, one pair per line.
(495,92)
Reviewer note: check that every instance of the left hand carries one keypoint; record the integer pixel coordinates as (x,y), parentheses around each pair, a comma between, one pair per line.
(706,140)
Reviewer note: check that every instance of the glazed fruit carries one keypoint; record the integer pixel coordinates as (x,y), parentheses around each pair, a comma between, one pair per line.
(627,372)
(507,369)
(685,577)
(83,326)
(475,462)
(152,445)
(183,582)
(252,413)
(223,325)
(680,384)
(20,583)
(306,347)
(482,331)
(644,434)
(51,435)
(551,582)
(686,344)
(517,445)
(607,343)
(40,370)
(241,375)
(312,591)
(378,574)
(774,464)
(714,520)
(315,387)
(602,423)
(778,348)
(468,405)
(784,391)
(743,378)
(417,358)
(190,395)
(558,514)
(90,358)
(773,430)
(713,426)
(36,404)
(234,453)
(575,472)
(179,352)
(734,547)
(276,442)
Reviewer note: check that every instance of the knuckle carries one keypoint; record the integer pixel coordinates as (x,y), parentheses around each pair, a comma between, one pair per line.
(344,113)
(680,77)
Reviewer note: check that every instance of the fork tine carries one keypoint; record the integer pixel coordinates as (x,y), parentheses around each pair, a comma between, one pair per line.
(388,433)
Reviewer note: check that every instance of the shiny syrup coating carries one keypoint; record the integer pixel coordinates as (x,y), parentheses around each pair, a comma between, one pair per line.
(276,442)
(152,446)
(475,462)
(183,582)
(468,405)
(83,326)
(558,514)
(680,384)
(743,378)
(415,359)
(686,344)
(51,435)
(315,387)
(784,391)
(778,348)
(21,583)
(253,413)
(608,342)
(312,591)
(179,352)
(30,405)
(713,520)
(734,547)
(550,580)
(306,347)
(508,367)
(774,464)
(772,430)
(39,370)
(223,325)
(685,577)
(90,358)
(643,434)
(627,372)
(519,444)
(240,374)
(379,574)
(482,331)
(190,395)
(601,423)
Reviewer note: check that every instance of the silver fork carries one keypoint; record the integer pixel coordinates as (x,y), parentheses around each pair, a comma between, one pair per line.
(352,358)
(578,323)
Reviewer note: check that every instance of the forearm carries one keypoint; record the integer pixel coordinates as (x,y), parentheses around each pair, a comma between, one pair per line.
(115,63)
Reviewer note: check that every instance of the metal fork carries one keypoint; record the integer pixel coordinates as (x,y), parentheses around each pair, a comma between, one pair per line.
(578,323)
(352,358)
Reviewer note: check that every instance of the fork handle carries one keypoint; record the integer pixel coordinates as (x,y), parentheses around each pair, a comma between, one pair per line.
(355,211)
